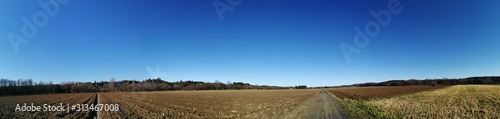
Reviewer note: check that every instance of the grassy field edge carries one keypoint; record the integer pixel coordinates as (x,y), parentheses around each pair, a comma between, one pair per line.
(365,109)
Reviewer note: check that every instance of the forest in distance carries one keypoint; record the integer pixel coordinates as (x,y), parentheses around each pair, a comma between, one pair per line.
(442,81)
(27,86)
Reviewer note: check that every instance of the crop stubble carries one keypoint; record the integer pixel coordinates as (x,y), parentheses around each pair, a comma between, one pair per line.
(461,101)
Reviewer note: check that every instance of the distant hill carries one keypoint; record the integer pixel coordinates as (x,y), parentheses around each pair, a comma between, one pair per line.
(442,81)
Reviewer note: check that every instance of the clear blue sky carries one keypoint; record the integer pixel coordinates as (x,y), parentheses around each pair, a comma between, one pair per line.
(265,42)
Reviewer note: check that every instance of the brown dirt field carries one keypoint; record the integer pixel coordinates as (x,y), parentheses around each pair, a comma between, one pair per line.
(8,105)
(363,93)
(206,104)
(460,101)
(183,104)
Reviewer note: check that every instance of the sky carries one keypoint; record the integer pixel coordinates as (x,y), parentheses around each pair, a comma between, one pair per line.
(263,42)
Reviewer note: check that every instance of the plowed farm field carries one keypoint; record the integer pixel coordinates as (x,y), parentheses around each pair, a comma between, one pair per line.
(168,104)
(206,104)
(362,93)
(8,105)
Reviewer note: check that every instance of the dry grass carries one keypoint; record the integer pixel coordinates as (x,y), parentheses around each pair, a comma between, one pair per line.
(461,101)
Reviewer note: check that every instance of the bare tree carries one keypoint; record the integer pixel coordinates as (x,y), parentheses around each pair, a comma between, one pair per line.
(217,85)
(111,84)
(133,85)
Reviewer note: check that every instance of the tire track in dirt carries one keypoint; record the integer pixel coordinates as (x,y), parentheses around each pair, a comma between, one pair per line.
(323,107)
(93,114)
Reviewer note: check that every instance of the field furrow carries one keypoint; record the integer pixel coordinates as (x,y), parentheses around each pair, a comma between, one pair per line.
(8,105)
(206,104)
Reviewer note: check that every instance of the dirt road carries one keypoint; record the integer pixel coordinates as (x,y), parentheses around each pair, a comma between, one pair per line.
(323,107)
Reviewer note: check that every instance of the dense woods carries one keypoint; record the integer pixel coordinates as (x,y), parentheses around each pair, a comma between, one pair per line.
(443,81)
(27,86)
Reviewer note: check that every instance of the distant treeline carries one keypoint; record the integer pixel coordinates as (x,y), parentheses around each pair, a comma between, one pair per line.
(443,81)
(27,86)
